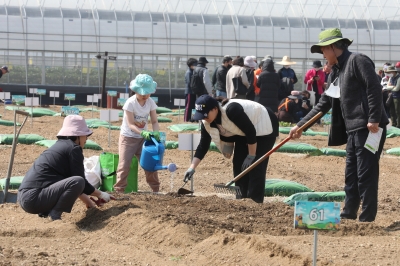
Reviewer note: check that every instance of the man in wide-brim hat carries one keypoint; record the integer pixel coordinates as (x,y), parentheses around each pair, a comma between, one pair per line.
(357,111)
(286,71)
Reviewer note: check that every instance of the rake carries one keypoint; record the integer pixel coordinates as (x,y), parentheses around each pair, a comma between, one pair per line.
(235,190)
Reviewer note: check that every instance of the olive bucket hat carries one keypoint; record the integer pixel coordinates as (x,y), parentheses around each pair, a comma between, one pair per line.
(328,37)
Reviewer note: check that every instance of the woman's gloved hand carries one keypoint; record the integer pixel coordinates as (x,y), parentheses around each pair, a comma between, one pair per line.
(188,174)
(248,161)
(146,134)
(105,196)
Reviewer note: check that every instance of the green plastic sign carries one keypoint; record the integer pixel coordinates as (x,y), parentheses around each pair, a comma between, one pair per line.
(121,102)
(41,91)
(69,110)
(112,93)
(316,215)
(18,99)
(69,97)
(155,99)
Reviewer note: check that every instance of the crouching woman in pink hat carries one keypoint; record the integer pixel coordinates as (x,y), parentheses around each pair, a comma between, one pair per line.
(57,178)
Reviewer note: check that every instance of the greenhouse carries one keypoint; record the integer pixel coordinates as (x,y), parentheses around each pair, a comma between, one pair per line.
(55,42)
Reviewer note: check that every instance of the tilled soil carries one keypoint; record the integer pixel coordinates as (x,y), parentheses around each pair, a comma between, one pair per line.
(204,229)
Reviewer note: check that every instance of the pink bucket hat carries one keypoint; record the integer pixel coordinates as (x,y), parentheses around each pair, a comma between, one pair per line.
(74,126)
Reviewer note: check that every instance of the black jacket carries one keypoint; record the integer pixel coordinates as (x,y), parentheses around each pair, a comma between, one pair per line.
(269,84)
(62,160)
(219,79)
(360,99)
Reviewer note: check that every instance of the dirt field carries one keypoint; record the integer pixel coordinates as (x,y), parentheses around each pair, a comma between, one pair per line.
(207,229)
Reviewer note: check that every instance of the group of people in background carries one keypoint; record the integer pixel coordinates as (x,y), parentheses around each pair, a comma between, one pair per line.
(389,76)
(245,78)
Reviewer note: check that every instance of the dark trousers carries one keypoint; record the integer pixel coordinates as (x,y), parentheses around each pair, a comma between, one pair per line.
(252,185)
(59,196)
(190,100)
(361,177)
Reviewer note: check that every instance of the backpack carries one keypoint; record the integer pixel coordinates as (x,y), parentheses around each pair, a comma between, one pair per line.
(196,83)
(285,89)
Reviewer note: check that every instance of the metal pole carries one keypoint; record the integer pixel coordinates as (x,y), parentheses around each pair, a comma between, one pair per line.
(109,127)
(315,247)
(103,91)
(191,180)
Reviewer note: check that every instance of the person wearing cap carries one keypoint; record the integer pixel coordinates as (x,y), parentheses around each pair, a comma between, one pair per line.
(57,178)
(219,77)
(200,73)
(190,97)
(288,108)
(286,71)
(269,84)
(355,97)
(4,70)
(394,87)
(137,110)
(250,65)
(240,127)
(315,79)
(236,71)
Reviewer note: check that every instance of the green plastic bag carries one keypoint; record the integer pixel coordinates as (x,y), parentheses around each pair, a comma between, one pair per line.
(184,127)
(274,187)
(90,144)
(316,196)
(394,151)
(293,147)
(15,182)
(333,152)
(392,132)
(109,164)
(161,110)
(22,138)
(8,123)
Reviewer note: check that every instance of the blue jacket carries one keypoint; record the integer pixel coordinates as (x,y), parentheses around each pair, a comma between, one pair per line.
(188,76)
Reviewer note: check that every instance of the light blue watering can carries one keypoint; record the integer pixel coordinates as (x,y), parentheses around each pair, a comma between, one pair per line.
(152,156)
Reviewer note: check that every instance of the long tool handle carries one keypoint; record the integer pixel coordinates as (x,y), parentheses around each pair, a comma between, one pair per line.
(248,169)
(14,145)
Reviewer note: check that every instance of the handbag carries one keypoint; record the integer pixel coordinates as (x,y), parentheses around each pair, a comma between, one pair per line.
(240,88)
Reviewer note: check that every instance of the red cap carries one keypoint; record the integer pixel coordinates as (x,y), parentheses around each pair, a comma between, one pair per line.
(398,65)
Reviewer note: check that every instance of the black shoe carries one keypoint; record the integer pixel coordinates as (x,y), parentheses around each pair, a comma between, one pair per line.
(348,216)
(43,214)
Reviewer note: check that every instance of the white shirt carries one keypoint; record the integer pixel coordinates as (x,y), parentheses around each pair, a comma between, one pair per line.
(140,114)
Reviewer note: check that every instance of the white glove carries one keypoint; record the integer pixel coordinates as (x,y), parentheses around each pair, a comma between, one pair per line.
(104,196)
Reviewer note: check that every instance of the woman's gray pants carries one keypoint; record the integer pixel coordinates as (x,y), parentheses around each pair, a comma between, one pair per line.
(58,197)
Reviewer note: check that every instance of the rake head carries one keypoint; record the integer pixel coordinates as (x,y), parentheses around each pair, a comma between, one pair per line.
(222,188)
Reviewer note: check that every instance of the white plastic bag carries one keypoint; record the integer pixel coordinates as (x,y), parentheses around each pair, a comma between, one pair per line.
(312,97)
(93,170)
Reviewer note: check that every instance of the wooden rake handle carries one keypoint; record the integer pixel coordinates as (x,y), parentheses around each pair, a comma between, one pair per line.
(248,169)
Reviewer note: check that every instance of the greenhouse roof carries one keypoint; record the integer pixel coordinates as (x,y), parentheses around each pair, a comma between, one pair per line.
(379,14)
